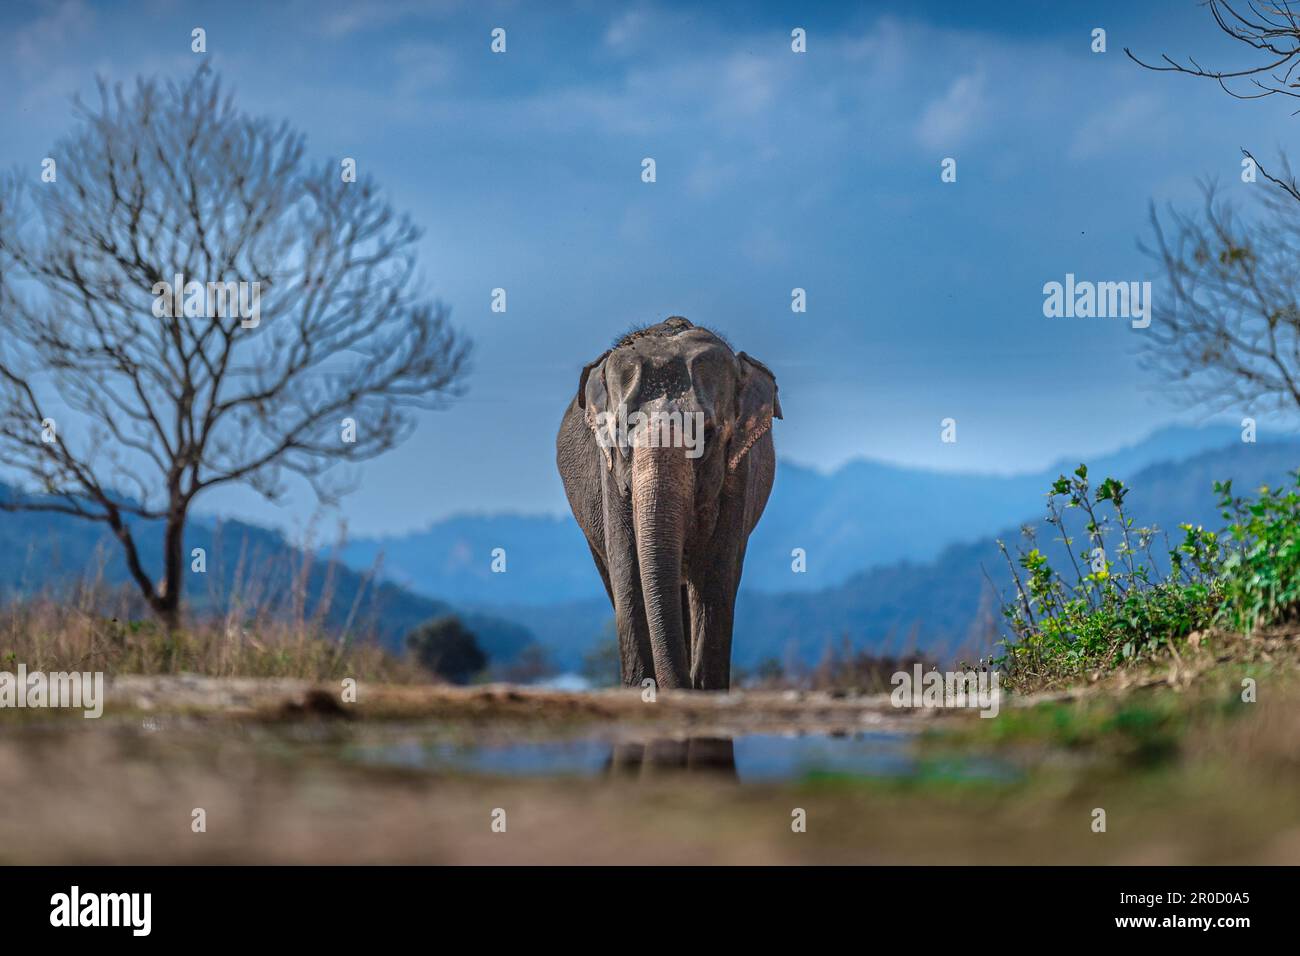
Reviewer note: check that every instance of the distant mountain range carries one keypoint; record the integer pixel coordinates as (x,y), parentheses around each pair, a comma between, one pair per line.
(897,557)
(865,514)
(942,605)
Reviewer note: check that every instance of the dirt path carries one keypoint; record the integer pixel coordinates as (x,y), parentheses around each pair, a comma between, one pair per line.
(732,713)
(267,762)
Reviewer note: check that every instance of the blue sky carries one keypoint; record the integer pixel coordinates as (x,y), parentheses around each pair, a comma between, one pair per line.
(774,171)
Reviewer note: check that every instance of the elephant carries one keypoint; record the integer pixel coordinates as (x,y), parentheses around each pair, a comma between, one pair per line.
(667,515)
(706,756)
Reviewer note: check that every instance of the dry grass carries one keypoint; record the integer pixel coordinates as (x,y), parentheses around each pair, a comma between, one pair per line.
(265,619)
(103,631)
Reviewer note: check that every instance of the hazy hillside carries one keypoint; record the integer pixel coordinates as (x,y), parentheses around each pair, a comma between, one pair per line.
(863,515)
(546,559)
(253,566)
(937,530)
(934,604)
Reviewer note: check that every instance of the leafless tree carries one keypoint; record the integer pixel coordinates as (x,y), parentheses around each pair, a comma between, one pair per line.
(1229,333)
(116,410)
(1227,336)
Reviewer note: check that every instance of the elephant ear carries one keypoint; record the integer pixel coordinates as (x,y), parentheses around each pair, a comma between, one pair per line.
(757,403)
(591,392)
(593,398)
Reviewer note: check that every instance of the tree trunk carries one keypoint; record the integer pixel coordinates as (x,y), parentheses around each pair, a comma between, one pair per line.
(167,604)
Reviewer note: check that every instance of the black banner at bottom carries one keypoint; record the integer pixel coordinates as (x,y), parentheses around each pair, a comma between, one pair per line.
(330,905)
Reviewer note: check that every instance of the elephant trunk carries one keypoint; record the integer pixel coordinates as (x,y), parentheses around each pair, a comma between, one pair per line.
(662,494)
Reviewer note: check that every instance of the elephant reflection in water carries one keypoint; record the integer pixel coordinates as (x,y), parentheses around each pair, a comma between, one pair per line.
(704,755)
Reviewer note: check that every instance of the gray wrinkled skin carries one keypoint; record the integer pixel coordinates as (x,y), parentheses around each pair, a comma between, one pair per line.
(667,531)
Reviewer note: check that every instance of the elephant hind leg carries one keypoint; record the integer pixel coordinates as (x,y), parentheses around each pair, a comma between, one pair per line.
(604,572)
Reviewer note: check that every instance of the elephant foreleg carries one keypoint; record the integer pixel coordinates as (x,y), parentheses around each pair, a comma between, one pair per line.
(633,637)
(624,583)
(713,602)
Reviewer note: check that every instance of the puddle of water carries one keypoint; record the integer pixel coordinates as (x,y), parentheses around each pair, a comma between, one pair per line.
(877,754)
(546,758)
(750,758)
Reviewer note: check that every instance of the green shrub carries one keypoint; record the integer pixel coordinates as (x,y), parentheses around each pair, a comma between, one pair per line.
(1261,574)
(1120,606)
(447,648)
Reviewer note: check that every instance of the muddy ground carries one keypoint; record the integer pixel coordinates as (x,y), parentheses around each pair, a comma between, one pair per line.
(284,772)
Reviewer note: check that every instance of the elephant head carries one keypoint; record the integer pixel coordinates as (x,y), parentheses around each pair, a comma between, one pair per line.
(675,413)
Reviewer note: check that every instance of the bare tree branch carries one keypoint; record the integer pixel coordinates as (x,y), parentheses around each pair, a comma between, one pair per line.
(1273,30)
(1228,334)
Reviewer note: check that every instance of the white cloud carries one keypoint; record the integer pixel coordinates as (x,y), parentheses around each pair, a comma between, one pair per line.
(347,17)
(421,67)
(37,43)
(1115,128)
(709,175)
(947,120)
(882,49)
(749,83)
(625,29)
(764,246)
